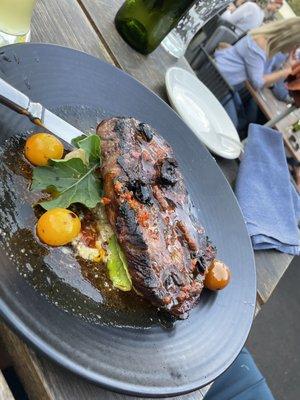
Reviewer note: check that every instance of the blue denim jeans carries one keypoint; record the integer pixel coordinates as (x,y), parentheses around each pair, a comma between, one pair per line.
(242,381)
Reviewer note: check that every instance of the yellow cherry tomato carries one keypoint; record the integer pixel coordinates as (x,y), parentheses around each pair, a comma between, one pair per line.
(218,276)
(58,226)
(40,147)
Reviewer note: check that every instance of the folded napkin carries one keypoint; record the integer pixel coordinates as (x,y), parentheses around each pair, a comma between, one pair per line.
(269,201)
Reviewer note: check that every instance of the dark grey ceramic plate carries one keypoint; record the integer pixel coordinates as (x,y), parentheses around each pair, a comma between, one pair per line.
(44,295)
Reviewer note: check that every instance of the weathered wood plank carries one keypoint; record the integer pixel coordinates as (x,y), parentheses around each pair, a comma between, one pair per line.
(63,22)
(151,69)
(5,361)
(5,393)
(229,169)
(272,107)
(270,267)
(257,308)
(26,364)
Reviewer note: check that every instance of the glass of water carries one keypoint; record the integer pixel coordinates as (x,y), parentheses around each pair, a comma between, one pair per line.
(180,37)
(15,18)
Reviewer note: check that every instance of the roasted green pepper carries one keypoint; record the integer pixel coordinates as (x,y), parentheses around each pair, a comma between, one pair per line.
(117,266)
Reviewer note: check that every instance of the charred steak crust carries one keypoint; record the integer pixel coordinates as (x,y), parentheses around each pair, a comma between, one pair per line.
(150,211)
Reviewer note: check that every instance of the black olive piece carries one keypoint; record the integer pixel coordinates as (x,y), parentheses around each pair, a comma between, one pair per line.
(141,191)
(168,174)
(168,282)
(177,278)
(194,254)
(200,264)
(173,279)
(146,131)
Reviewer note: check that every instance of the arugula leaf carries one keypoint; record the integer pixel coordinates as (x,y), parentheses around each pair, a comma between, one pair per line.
(91,145)
(117,266)
(77,139)
(77,153)
(72,180)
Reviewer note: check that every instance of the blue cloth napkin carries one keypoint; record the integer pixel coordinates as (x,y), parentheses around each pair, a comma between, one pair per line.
(269,201)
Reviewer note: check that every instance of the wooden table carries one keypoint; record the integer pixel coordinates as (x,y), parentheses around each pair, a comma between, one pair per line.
(87,25)
(272,107)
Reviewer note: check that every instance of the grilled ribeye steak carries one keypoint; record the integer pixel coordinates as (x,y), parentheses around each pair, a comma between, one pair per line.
(150,212)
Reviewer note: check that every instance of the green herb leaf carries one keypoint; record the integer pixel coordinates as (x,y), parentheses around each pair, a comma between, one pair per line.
(91,145)
(117,266)
(72,180)
(77,139)
(78,153)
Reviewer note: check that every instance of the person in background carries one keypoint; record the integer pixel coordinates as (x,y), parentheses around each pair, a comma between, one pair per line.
(242,381)
(246,15)
(280,88)
(276,63)
(293,85)
(271,9)
(248,58)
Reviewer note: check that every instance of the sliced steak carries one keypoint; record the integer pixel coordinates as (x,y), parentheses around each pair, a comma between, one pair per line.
(151,214)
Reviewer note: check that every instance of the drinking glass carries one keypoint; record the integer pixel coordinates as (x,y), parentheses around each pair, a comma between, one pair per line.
(180,37)
(15,18)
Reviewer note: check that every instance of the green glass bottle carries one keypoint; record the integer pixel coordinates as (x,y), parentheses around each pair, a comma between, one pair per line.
(296,126)
(143,24)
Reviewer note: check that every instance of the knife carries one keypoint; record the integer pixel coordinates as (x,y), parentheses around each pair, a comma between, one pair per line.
(38,114)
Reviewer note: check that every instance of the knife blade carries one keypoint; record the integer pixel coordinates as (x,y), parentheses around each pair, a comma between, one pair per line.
(59,127)
(38,114)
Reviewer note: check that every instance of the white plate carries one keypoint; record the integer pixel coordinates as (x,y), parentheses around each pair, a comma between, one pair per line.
(203,113)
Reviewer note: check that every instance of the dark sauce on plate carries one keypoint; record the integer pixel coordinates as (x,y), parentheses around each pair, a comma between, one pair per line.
(75,285)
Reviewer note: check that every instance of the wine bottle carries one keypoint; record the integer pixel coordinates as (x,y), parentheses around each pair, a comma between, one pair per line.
(143,24)
(296,126)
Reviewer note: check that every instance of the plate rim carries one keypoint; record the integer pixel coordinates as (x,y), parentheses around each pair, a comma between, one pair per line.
(171,71)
